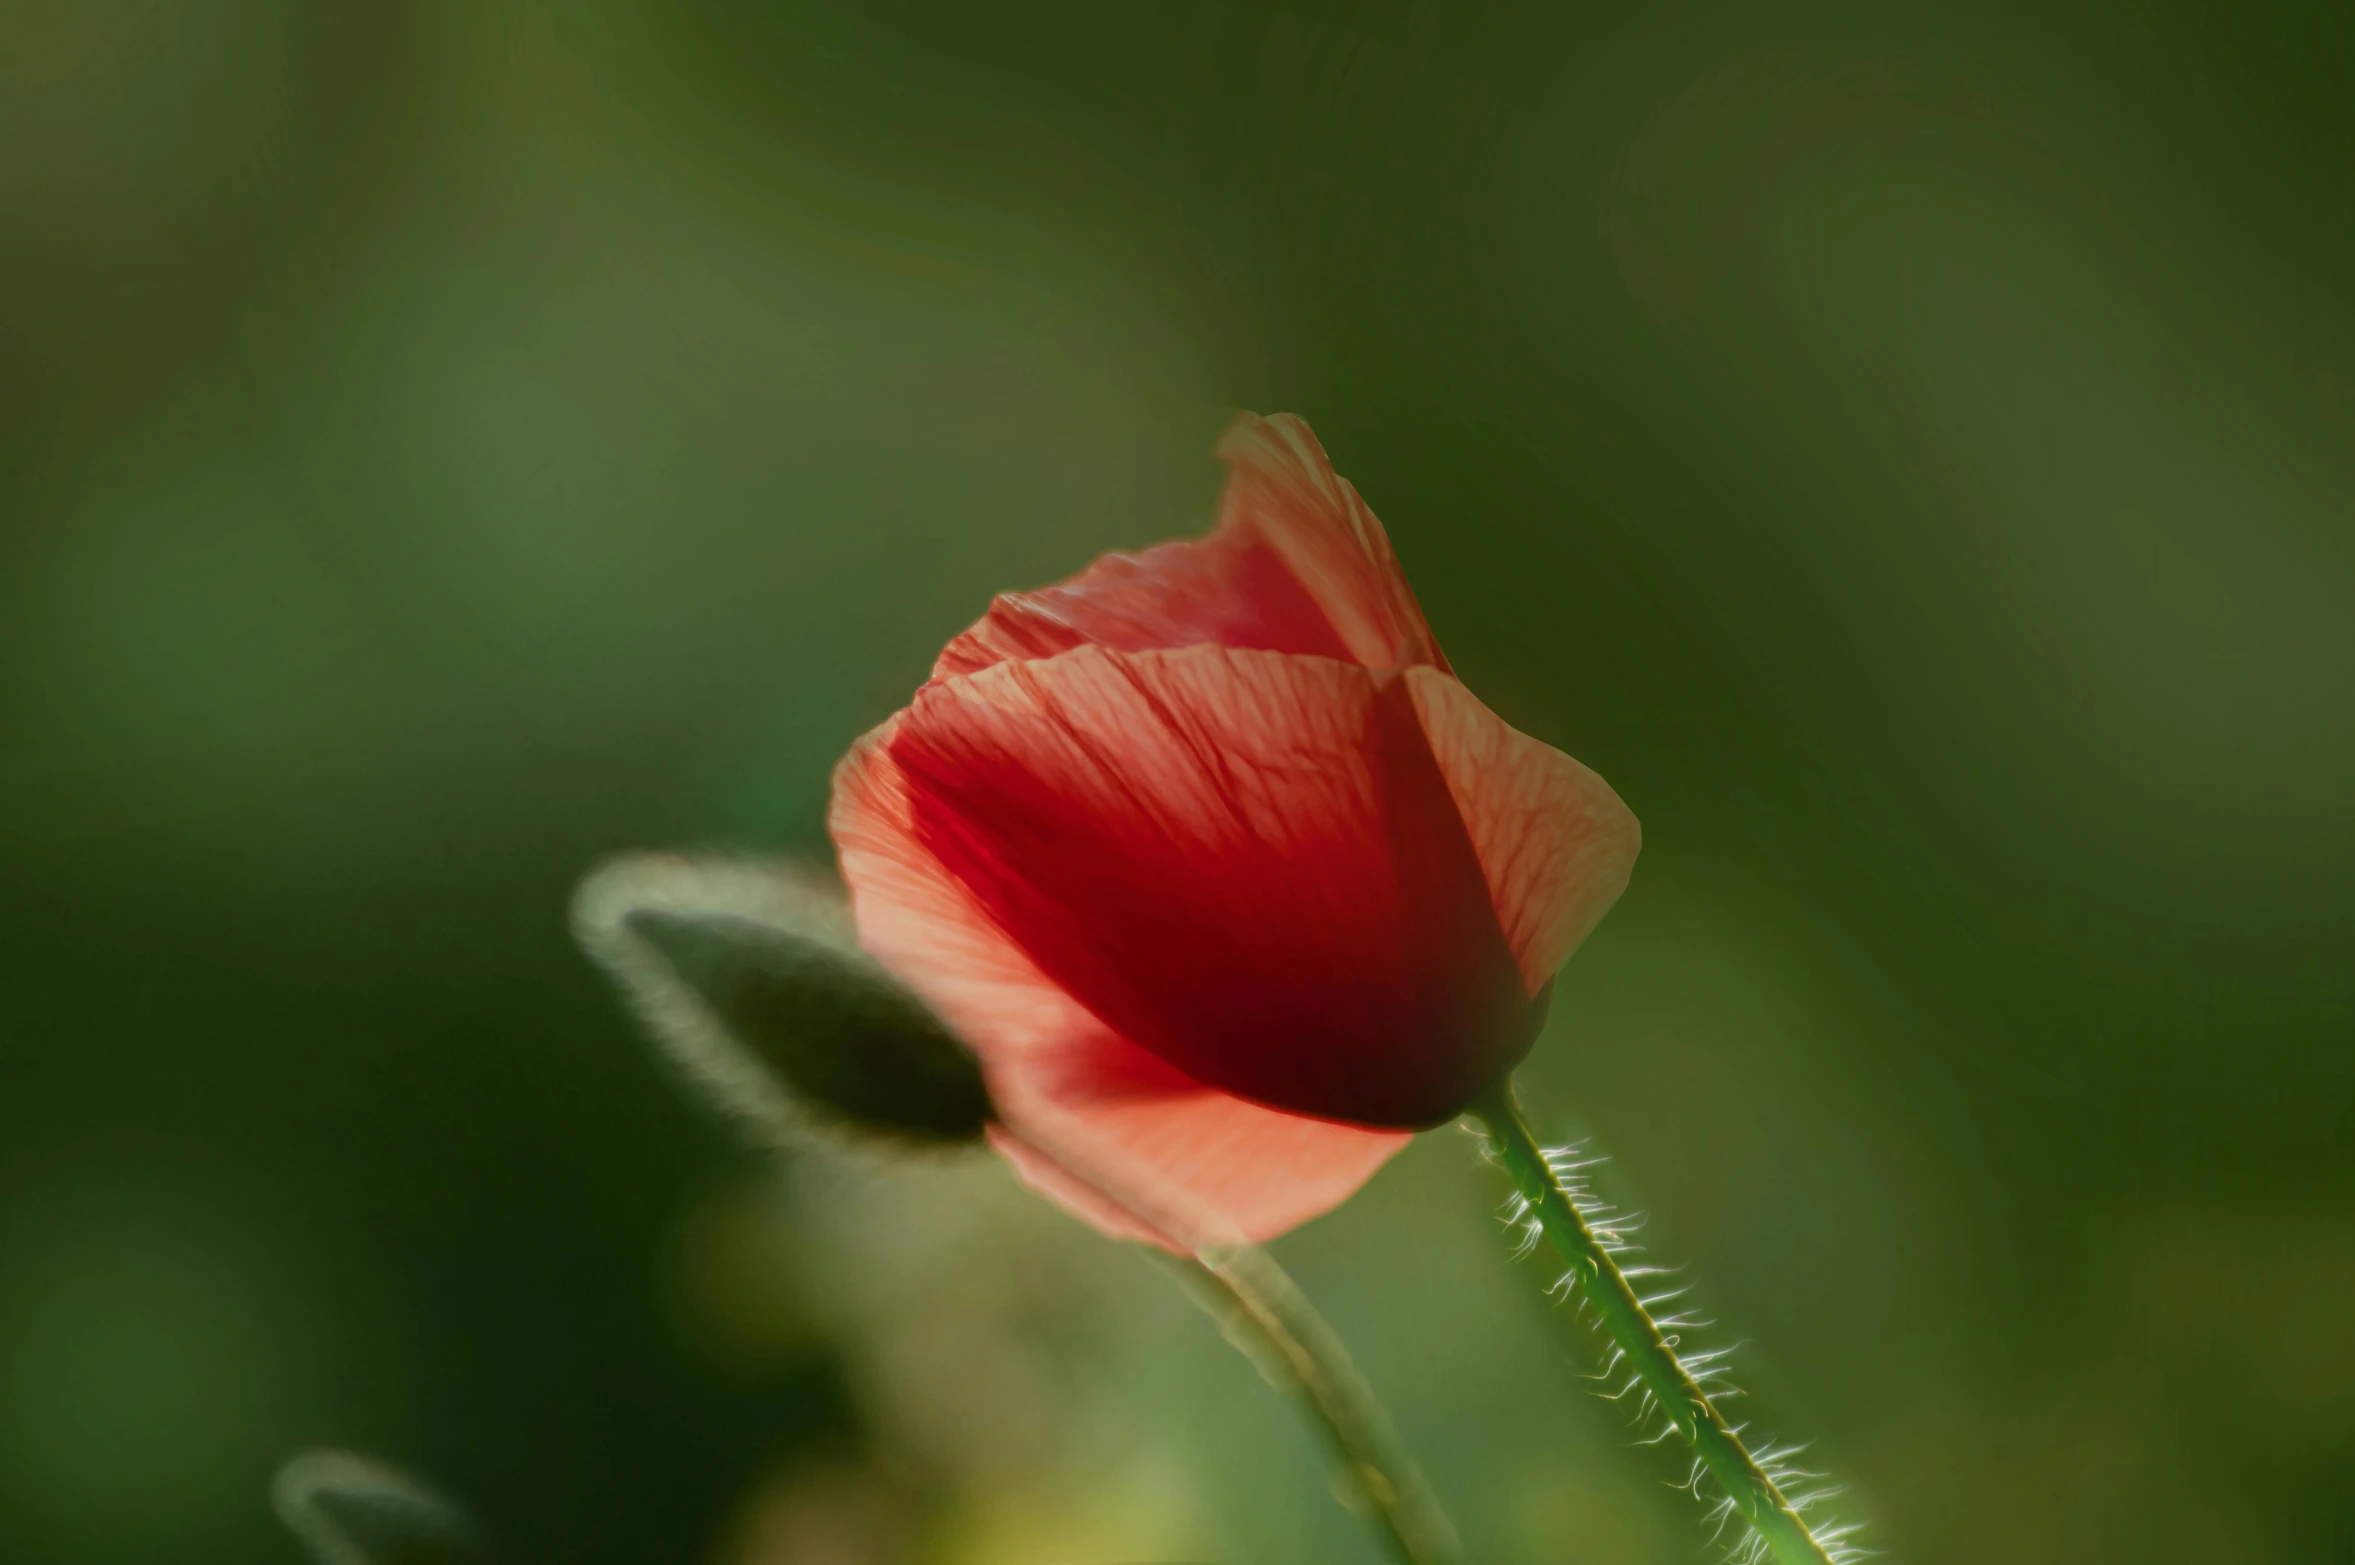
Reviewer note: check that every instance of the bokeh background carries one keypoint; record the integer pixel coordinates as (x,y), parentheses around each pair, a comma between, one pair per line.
(1909,450)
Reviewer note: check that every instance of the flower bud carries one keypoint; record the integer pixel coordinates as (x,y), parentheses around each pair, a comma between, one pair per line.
(749,977)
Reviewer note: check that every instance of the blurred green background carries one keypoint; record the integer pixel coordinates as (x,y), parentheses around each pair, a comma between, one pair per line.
(1909,451)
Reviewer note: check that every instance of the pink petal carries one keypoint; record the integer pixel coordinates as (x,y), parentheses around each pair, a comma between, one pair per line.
(1244,862)
(1556,844)
(1145,1153)
(1230,589)
(1283,489)
(1089,1119)
(1297,564)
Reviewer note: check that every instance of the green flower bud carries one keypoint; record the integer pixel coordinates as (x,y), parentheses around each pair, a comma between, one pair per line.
(750,977)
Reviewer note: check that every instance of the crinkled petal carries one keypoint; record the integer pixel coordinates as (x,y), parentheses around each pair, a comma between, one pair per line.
(1246,863)
(1297,564)
(1230,589)
(1088,1118)
(1556,844)
(1283,489)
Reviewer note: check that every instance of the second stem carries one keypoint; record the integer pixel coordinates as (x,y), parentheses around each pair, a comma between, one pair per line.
(1592,1270)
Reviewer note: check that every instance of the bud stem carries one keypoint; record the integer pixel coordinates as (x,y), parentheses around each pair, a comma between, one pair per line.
(1264,1313)
(1631,1327)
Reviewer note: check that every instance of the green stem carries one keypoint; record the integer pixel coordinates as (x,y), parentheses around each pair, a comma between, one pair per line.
(1265,1315)
(1647,1351)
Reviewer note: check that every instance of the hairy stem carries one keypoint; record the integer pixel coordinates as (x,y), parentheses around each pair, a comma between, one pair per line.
(1265,1315)
(1755,1498)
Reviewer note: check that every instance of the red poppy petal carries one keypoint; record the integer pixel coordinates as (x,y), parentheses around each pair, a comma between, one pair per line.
(917,921)
(1247,863)
(1297,564)
(1231,589)
(1283,489)
(1555,842)
(1143,1152)
(1211,1168)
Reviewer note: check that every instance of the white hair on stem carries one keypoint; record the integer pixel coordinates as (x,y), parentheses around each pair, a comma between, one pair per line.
(1614,1229)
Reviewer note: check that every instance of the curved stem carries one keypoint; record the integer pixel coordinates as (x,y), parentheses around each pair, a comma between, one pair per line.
(320,1493)
(1647,1351)
(1265,1315)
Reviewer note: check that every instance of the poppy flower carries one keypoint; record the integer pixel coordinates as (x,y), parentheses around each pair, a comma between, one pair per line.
(1229,882)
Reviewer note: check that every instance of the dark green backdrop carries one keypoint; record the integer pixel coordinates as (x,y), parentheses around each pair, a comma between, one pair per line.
(1909,451)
